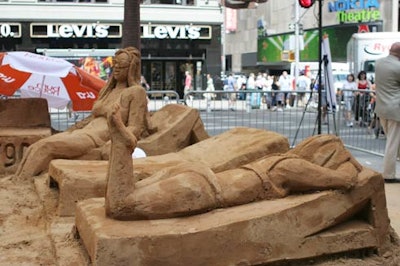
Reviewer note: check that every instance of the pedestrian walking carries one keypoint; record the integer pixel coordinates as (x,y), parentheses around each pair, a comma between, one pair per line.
(349,89)
(210,89)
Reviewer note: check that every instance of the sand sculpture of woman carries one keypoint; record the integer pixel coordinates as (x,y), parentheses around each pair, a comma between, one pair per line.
(123,88)
(318,163)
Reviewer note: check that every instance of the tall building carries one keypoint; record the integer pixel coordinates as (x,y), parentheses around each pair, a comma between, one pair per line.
(262,38)
(176,35)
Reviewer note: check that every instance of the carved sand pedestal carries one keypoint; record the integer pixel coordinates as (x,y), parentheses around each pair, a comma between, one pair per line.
(80,179)
(22,123)
(295,227)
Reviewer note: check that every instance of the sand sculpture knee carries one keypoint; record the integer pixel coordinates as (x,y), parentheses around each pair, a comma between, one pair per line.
(188,189)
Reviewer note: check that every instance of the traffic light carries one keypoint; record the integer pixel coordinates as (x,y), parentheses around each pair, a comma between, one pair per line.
(306,3)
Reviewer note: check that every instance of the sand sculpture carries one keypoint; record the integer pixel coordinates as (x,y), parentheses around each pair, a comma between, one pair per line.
(311,200)
(77,180)
(89,138)
(318,163)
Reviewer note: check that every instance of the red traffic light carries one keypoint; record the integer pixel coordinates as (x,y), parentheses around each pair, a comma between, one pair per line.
(306,3)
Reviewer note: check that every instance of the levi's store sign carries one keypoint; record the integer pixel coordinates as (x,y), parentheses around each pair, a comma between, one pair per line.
(99,30)
(10,30)
(355,11)
(67,30)
(154,31)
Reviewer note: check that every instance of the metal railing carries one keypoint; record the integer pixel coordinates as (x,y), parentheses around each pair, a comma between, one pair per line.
(297,120)
(220,111)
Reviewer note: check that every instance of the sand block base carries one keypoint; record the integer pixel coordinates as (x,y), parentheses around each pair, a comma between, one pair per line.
(296,227)
(14,142)
(20,127)
(82,180)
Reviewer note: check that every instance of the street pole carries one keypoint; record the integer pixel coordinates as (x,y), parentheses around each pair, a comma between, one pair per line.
(223,31)
(320,65)
(296,39)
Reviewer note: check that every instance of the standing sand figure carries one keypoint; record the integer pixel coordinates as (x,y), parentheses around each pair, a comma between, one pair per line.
(123,88)
(318,163)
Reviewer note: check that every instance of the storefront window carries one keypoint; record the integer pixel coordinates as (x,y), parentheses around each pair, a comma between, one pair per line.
(170,76)
(156,81)
(73,1)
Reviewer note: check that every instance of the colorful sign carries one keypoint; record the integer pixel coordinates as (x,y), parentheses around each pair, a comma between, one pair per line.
(355,11)
(230,20)
(270,48)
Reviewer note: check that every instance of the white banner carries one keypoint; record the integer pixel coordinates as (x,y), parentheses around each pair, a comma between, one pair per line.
(327,70)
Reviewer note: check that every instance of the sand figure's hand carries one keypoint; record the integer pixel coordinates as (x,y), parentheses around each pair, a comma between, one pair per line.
(118,129)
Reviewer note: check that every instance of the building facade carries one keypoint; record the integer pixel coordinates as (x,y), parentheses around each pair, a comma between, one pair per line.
(263,38)
(177,35)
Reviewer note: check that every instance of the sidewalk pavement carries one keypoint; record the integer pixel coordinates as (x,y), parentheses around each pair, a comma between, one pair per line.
(392,191)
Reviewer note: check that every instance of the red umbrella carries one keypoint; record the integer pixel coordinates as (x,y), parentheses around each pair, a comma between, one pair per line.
(55,79)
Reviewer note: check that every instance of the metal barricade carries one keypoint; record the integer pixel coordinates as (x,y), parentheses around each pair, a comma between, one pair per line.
(63,118)
(364,132)
(296,120)
(223,110)
(160,98)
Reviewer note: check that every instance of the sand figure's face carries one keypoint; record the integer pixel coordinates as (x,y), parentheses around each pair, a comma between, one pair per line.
(121,67)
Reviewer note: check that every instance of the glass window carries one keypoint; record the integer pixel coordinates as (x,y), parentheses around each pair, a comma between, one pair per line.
(369,66)
(156,81)
(170,76)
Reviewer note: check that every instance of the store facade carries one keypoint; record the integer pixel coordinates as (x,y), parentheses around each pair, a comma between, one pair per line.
(168,48)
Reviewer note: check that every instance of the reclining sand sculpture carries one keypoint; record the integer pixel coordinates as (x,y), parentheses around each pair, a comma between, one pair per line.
(319,163)
(81,179)
(89,139)
(239,216)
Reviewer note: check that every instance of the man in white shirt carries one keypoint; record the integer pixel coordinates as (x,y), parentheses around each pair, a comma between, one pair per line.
(285,85)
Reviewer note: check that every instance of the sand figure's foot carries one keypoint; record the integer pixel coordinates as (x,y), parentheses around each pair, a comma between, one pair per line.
(118,130)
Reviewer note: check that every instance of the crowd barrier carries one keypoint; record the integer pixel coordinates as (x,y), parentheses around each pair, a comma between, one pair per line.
(223,110)
(297,120)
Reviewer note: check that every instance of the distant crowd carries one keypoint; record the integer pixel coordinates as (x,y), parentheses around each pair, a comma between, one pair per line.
(284,92)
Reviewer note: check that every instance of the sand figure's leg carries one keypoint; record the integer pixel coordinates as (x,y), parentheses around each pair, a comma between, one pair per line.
(298,175)
(34,161)
(65,145)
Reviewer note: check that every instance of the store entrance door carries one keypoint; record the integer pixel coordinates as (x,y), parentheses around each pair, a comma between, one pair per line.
(167,74)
